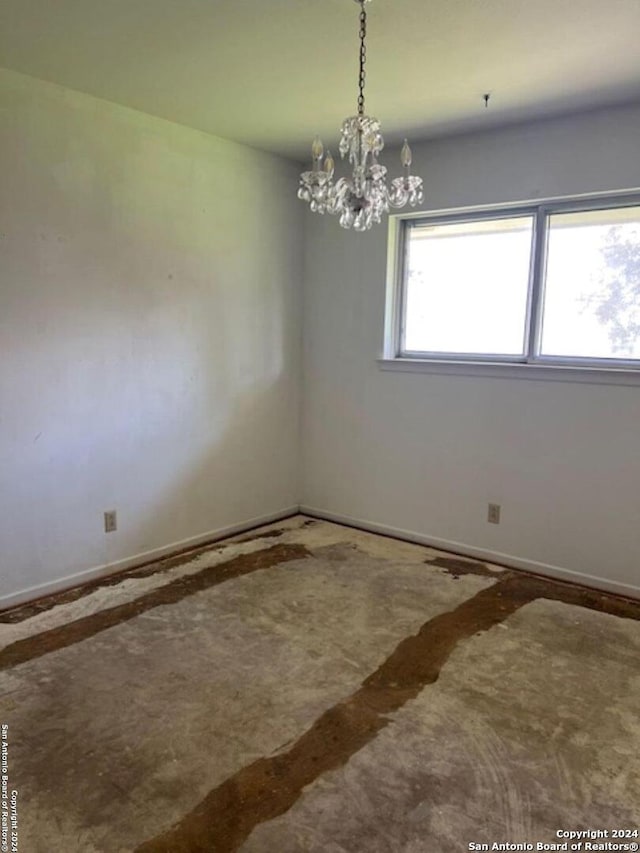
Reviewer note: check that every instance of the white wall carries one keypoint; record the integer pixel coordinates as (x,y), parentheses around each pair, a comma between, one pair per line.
(149,334)
(150,342)
(426,453)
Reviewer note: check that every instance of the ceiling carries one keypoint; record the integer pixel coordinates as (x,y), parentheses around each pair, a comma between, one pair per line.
(273,73)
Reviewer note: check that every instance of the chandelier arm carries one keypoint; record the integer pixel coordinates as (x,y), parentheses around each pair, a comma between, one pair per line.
(363,57)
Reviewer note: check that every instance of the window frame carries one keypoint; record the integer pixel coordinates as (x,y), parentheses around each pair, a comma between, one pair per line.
(540,211)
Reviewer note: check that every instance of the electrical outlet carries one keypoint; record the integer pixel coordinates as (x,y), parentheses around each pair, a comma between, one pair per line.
(110,521)
(493,514)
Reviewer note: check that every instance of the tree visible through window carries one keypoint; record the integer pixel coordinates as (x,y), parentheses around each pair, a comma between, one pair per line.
(617,300)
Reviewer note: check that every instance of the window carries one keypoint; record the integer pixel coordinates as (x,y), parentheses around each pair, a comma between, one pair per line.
(547,284)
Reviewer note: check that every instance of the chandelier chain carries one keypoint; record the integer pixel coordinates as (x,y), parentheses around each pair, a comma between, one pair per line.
(363,57)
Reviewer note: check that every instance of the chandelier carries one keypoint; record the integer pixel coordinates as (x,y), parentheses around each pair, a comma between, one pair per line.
(363,198)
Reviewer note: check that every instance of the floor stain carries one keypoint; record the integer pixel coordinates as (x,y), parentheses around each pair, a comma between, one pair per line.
(41,605)
(144,570)
(269,534)
(81,629)
(554,590)
(457,567)
(270,786)
(582,596)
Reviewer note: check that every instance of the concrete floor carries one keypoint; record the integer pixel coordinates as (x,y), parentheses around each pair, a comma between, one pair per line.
(314,688)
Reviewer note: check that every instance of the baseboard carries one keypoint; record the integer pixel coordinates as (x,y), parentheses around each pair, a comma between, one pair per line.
(497,557)
(70,581)
(465,550)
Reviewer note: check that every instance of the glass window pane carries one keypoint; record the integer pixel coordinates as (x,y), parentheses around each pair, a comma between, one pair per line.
(592,287)
(467,287)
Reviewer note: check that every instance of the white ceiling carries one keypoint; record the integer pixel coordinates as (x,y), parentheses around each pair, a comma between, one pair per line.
(273,73)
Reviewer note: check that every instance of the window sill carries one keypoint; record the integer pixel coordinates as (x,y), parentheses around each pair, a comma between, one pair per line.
(508,370)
